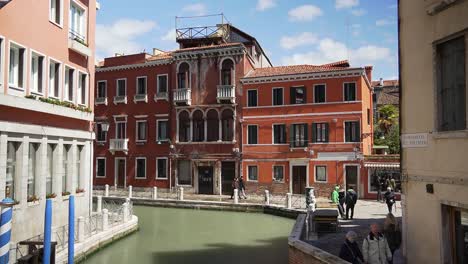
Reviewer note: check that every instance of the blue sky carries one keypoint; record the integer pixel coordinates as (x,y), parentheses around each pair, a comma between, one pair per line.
(291,32)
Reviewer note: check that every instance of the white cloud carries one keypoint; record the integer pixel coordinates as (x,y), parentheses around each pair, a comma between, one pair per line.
(346,3)
(170,35)
(263,5)
(197,9)
(329,50)
(304,38)
(304,13)
(383,22)
(119,37)
(358,12)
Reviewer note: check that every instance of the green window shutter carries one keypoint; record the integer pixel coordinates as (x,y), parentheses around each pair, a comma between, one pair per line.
(291,136)
(314,132)
(326,132)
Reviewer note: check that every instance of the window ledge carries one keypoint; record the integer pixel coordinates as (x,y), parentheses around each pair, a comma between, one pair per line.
(140,98)
(141,142)
(450,134)
(100,101)
(162,179)
(161,96)
(32,204)
(79,47)
(14,87)
(120,99)
(55,23)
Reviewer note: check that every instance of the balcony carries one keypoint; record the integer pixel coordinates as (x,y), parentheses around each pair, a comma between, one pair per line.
(100,101)
(120,99)
(183,96)
(140,98)
(161,96)
(77,43)
(226,93)
(118,144)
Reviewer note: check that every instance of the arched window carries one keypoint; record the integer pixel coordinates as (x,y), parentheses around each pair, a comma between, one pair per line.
(212,120)
(227,120)
(227,70)
(184,126)
(183,76)
(198,126)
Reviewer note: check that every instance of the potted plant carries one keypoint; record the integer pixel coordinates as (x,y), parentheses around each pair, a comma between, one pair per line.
(51,195)
(32,198)
(79,190)
(65,193)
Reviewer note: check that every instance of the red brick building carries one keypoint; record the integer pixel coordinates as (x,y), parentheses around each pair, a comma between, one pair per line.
(306,125)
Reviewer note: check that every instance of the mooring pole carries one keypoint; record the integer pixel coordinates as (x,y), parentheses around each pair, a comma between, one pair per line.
(71,229)
(5,229)
(47,231)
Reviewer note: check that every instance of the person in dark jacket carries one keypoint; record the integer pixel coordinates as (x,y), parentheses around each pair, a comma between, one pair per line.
(242,188)
(235,185)
(351,200)
(342,199)
(392,233)
(350,249)
(389,198)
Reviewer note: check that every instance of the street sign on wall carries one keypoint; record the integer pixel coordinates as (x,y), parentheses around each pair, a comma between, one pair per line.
(418,140)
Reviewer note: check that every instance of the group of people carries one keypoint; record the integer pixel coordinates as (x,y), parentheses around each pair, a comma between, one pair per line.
(388,183)
(378,247)
(238,183)
(342,198)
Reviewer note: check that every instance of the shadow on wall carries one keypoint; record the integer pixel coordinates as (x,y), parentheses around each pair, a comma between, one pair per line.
(270,251)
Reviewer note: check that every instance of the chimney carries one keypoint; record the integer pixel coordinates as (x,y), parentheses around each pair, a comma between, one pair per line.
(368,70)
(381,82)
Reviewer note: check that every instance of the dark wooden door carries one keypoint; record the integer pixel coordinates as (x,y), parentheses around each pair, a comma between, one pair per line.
(205,180)
(351,177)
(228,171)
(120,173)
(299,179)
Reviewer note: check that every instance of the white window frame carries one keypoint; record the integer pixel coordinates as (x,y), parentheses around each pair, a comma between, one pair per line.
(33,53)
(326,173)
(136,168)
(248,134)
(25,59)
(136,131)
(157,129)
(273,172)
(117,87)
(273,133)
(65,88)
(117,127)
(314,99)
(97,169)
(83,19)
(51,19)
(105,134)
(86,88)
(2,59)
(248,173)
(167,168)
(167,87)
(97,90)
(355,92)
(50,61)
(247,103)
(273,95)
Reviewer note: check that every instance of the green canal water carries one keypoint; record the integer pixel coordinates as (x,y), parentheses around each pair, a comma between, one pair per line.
(169,235)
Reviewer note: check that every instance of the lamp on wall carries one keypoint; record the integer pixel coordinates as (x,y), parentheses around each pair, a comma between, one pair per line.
(105,127)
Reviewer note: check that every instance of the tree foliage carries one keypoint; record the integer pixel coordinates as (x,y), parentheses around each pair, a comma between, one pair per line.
(387,129)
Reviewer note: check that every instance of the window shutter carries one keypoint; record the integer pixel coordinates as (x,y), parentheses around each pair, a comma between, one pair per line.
(293,95)
(291,136)
(306,135)
(357,131)
(347,132)
(305,98)
(314,132)
(326,132)
(346,95)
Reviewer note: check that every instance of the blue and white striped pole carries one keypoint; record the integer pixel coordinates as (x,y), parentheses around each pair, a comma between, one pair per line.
(47,232)
(5,230)
(71,229)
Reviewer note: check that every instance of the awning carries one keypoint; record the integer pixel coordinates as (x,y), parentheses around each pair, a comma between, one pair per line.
(381,165)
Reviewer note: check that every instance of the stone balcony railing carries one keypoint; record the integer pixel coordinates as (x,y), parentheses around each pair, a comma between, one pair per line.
(118,144)
(226,93)
(120,99)
(100,101)
(183,96)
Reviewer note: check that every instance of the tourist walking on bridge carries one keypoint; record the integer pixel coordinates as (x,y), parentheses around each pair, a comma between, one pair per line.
(375,247)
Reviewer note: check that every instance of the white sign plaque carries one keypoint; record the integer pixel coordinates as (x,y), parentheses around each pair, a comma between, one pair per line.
(418,140)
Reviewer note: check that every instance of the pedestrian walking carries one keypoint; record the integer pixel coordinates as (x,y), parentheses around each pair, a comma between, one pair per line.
(392,233)
(351,200)
(336,200)
(375,249)
(235,185)
(391,183)
(242,188)
(342,198)
(350,249)
(389,198)
(380,186)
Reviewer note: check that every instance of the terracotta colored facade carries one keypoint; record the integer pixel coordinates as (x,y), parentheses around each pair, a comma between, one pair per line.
(46,109)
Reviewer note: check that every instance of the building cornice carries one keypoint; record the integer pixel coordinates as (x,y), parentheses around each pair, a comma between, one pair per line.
(134,66)
(211,52)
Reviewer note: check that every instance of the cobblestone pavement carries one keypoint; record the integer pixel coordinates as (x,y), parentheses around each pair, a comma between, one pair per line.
(366,212)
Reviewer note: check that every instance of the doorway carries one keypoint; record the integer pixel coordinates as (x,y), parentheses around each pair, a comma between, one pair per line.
(205,180)
(228,171)
(299,177)
(120,168)
(351,177)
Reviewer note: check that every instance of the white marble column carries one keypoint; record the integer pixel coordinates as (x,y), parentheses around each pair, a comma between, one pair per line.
(41,179)
(3,161)
(72,169)
(191,131)
(205,124)
(234,128)
(22,173)
(220,132)
(58,168)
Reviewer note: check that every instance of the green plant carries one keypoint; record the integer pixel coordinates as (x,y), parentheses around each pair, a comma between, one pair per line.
(79,190)
(51,195)
(30,96)
(391,139)
(65,104)
(33,198)
(65,193)
(388,116)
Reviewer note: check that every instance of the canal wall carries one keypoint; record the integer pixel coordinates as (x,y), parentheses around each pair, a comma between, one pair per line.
(300,252)
(213,205)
